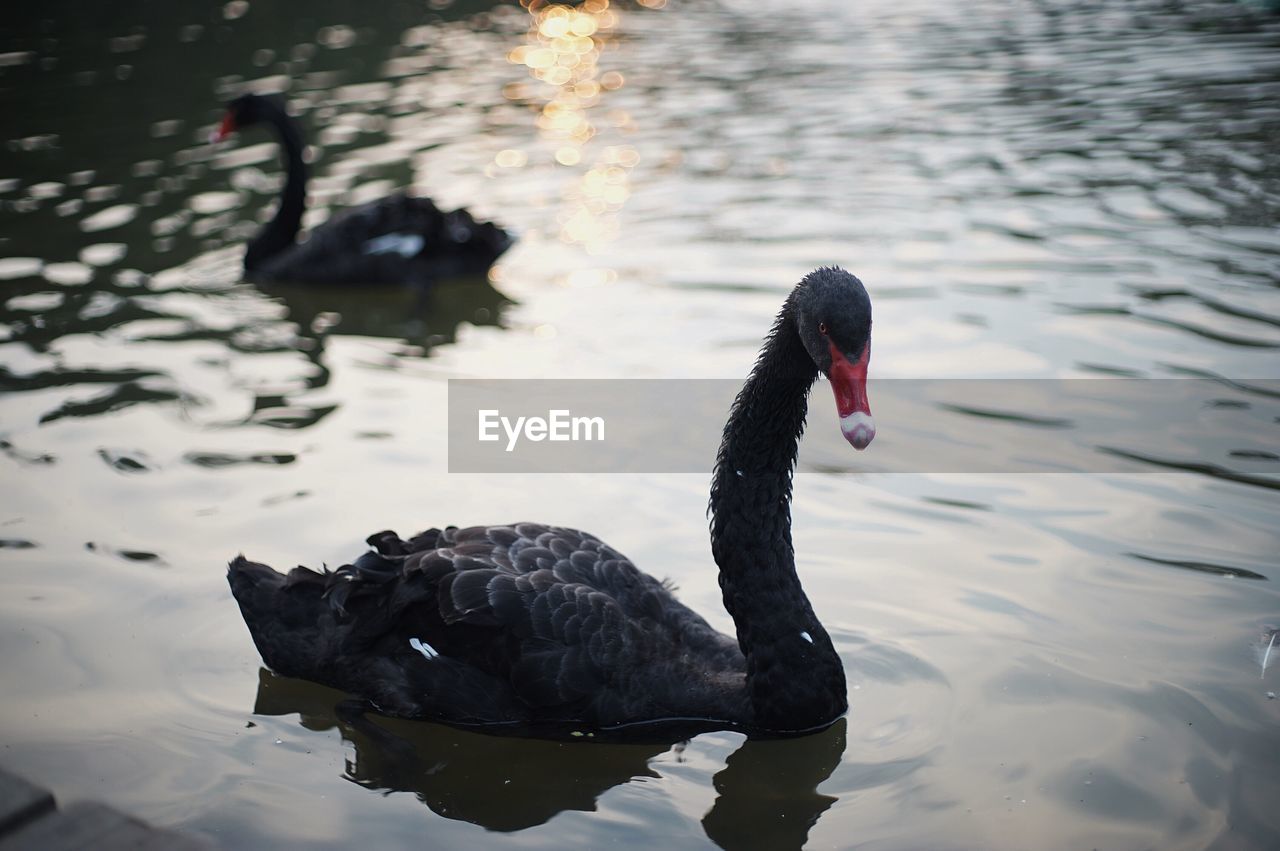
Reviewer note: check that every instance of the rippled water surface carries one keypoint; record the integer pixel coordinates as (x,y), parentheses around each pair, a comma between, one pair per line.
(1037,190)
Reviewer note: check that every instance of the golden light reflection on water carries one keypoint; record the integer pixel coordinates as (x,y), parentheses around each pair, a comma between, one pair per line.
(562,51)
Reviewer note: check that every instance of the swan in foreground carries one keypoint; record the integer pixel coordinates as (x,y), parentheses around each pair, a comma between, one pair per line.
(399,239)
(541,628)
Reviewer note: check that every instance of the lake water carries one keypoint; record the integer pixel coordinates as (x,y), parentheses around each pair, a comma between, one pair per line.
(1048,191)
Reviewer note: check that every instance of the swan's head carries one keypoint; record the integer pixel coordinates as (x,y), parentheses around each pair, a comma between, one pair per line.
(245,111)
(833,316)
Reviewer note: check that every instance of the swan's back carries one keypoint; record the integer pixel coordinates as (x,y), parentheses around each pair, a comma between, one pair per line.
(394,240)
(520,624)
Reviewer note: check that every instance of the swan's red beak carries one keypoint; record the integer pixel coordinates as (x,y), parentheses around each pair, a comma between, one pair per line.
(225,129)
(849,382)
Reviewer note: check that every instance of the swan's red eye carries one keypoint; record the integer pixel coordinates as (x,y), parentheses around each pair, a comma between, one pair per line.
(822,327)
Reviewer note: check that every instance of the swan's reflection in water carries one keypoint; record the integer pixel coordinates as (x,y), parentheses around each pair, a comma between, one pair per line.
(420,315)
(767,792)
(419,318)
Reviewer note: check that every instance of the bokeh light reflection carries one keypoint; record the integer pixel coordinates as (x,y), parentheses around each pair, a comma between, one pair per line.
(562,50)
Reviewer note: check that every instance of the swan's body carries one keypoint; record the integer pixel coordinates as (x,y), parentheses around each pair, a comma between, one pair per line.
(536,626)
(394,240)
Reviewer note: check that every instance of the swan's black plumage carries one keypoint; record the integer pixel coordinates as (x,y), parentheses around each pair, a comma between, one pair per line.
(394,240)
(527,624)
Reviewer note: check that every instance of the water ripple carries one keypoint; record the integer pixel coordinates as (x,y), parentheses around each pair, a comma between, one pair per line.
(1205,469)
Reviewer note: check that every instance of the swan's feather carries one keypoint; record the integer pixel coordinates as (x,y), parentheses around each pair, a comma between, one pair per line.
(428,652)
(561,623)
(404,244)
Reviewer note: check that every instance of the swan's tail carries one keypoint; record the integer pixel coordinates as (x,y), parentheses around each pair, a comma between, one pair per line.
(347,629)
(301,621)
(288,617)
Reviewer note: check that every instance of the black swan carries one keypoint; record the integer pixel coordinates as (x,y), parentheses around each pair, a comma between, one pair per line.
(537,627)
(395,240)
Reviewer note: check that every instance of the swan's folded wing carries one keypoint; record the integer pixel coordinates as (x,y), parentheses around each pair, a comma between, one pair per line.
(561,613)
(562,617)
(533,582)
(516,563)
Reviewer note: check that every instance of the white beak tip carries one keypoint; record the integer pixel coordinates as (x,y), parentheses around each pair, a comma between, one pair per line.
(859,429)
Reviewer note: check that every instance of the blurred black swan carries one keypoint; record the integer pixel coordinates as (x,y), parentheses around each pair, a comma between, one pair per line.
(541,627)
(398,239)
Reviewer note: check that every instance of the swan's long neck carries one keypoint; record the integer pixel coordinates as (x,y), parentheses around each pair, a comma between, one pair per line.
(280,233)
(794,676)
